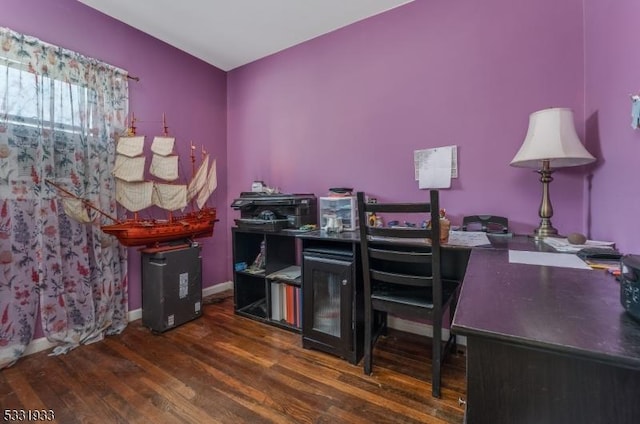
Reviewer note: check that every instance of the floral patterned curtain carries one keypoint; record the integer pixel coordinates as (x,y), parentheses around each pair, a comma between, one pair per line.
(60,113)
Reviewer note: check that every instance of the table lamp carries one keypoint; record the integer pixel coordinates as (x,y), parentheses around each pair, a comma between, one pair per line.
(551,142)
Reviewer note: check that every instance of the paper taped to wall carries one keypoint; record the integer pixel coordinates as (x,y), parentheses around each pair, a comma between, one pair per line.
(434,167)
(420,155)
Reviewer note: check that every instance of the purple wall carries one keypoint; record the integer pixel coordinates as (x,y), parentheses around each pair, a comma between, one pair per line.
(349,108)
(190,92)
(612,74)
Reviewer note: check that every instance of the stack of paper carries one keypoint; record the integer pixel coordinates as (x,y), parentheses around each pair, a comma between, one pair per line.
(563,245)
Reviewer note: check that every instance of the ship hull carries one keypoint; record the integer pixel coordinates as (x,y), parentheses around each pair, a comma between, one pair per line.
(153,231)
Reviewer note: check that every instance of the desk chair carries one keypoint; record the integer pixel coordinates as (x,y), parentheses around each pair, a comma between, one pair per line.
(402,276)
(486,223)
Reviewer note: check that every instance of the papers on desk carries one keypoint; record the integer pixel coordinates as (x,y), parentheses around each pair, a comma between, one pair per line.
(468,238)
(563,245)
(546,259)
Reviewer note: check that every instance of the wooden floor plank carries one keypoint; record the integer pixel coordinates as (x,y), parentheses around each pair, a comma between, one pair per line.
(224,368)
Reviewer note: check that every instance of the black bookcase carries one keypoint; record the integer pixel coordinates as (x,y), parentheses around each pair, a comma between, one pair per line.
(271,292)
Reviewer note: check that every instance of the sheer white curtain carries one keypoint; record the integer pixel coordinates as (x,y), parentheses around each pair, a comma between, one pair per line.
(60,113)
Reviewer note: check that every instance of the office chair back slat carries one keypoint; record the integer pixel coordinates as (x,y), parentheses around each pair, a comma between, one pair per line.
(401,274)
(401,279)
(399,207)
(409,256)
(401,233)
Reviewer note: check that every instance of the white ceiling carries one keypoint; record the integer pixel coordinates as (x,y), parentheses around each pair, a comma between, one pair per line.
(231,33)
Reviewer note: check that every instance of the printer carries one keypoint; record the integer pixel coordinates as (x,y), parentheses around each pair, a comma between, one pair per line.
(275,212)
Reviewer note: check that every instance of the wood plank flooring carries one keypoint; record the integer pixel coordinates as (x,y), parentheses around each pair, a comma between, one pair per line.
(222,368)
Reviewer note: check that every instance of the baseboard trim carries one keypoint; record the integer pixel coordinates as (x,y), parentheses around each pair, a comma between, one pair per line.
(38,345)
(420,329)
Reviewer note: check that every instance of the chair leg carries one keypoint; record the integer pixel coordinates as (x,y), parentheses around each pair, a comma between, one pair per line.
(368,338)
(436,359)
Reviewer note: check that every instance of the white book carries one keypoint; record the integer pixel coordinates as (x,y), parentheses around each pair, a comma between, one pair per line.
(276,302)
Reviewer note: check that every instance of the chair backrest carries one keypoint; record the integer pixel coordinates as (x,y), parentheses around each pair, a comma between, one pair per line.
(486,223)
(402,258)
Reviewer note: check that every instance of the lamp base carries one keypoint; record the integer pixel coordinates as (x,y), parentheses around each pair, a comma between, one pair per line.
(545,230)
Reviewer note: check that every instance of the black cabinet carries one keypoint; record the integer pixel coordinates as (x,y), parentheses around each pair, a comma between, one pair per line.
(332,300)
(267,278)
(171,285)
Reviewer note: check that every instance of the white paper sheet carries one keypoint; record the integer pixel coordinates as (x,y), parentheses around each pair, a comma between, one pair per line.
(435,168)
(420,155)
(468,238)
(563,260)
(563,245)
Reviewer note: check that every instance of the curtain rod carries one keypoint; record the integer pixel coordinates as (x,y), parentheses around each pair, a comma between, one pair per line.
(136,79)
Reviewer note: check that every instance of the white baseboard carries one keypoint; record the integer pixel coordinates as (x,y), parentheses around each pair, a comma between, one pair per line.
(420,329)
(218,288)
(38,345)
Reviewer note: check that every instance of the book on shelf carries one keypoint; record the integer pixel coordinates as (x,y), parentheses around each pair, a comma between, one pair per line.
(290,304)
(276,301)
(298,299)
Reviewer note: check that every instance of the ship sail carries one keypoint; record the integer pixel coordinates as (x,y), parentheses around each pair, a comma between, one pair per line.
(129,160)
(199,179)
(163,146)
(129,169)
(130,146)
(210,186)
(75,209)
(164,164)
(169,197)
(134,196)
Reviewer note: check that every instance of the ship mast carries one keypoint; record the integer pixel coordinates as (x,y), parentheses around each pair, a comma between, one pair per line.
(165,133)
(131,131)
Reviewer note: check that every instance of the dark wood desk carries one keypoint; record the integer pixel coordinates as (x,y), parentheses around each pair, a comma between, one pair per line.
(544,344)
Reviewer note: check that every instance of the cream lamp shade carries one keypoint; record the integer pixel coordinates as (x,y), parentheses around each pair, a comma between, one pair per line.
(551,142)
(552,136)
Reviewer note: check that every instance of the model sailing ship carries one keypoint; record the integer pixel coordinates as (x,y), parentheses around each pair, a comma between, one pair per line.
(135,194)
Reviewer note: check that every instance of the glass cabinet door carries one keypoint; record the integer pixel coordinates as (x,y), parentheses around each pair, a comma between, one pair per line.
(327,300)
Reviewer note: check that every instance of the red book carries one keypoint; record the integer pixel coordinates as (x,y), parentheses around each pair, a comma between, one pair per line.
(290,303)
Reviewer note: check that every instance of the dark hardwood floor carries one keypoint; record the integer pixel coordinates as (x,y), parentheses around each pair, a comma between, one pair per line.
(222,368)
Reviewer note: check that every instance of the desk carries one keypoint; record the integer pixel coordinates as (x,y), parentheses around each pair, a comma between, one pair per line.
(546,345)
